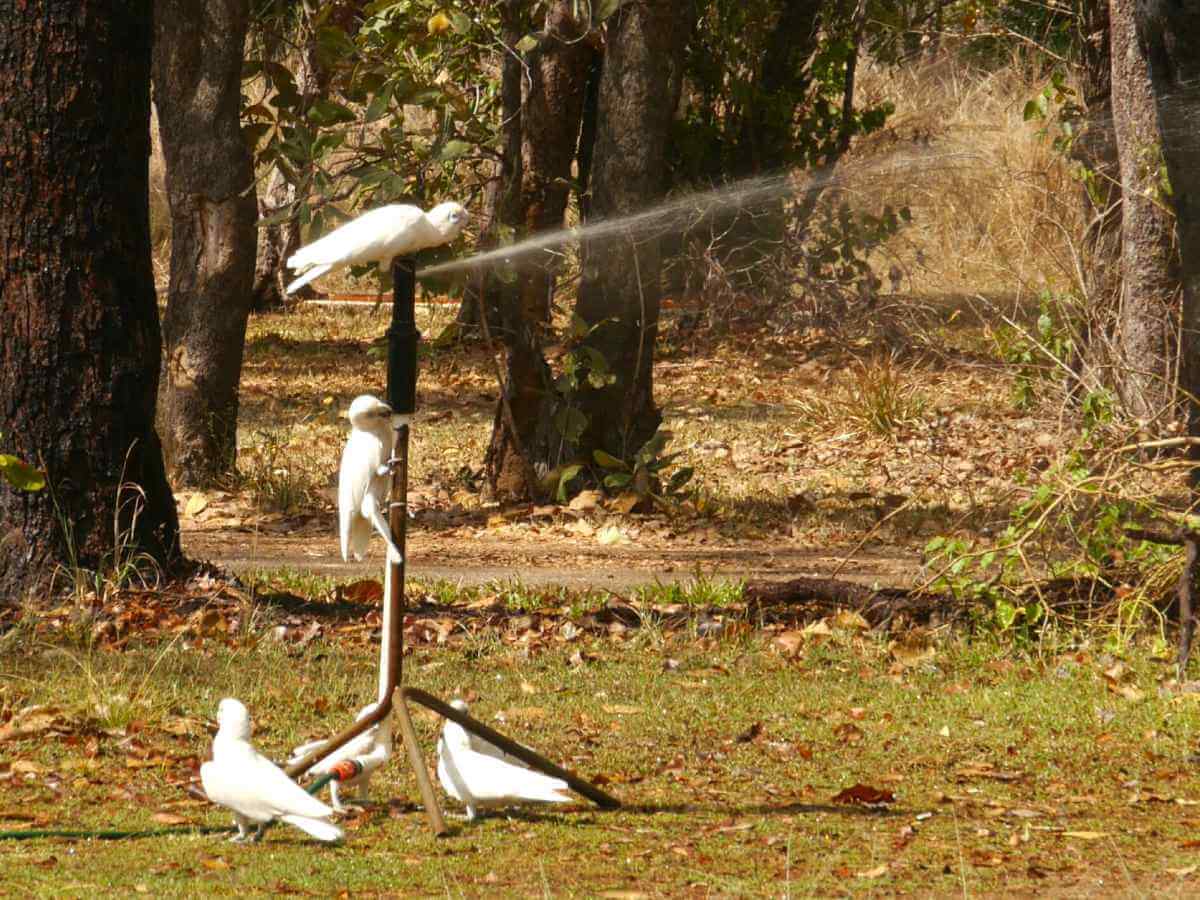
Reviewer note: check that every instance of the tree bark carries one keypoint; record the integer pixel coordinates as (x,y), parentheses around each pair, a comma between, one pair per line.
(275,243)
(620,290)
(550,114)
(210,179)
(1169,32)
(1095,149)
(1149,276)
(80,344)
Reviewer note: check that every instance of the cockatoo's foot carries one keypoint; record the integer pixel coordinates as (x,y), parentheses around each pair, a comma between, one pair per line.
(258,833)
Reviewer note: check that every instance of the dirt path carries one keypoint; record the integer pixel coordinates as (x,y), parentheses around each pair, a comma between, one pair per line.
(471,559)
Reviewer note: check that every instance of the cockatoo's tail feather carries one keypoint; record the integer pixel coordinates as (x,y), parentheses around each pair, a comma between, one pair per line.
(318,828)
(311,275)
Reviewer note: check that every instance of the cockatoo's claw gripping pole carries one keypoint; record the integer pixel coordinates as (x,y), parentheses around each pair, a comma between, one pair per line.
(402,397)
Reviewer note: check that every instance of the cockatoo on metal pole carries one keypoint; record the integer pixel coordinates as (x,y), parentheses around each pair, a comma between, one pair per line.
(378,236)
(255,789)
(364,478)
(353,764)
(479,775)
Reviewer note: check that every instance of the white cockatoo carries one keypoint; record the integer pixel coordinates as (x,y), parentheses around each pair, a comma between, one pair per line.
(364,755)
(363,479)
(254,788)
(378,236)
(486,778)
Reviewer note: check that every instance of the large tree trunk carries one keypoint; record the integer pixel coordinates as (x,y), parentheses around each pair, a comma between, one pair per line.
(1169,31)
(210,178)
(620,289)
(1149,277)
(79,344)
(549,131)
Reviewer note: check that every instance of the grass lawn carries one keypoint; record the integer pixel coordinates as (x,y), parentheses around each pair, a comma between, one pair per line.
(1038,768)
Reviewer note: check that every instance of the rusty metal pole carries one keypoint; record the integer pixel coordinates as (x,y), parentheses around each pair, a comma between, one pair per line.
(402,397)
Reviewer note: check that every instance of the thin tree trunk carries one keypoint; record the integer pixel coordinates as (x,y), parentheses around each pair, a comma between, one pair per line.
(210,177)
(80,345)
(275,243)
(551,112)
(1095,149)
(620,290)
(1149,276)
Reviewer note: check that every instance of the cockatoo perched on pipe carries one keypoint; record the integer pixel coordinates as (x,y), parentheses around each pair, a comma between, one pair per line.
(363,479)
(483,778)
(253,787)
(365,754)
(378,236)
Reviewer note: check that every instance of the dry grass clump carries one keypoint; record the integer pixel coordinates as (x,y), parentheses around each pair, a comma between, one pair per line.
(994,205)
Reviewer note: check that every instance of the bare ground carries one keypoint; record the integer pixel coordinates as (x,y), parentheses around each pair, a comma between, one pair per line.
(470,559)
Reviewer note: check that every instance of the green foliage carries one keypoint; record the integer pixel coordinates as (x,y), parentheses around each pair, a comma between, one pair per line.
(735,122)
(1071,527)
(407,108)
(1041,355)
(644,474)
(20,475)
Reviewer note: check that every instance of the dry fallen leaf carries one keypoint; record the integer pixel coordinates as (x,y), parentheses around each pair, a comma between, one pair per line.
(584,501)
(1086,835)
(196,504)
(610,535)
(873,873)
(865,795)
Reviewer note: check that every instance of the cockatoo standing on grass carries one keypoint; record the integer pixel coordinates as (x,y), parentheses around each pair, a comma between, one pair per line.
(363,479)
(378,236)
(354,762)
(254,788)
(483,778)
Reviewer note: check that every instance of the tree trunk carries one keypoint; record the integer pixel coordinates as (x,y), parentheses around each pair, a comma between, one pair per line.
(80,345)
(549,132)
(767,131)
(1149,276)
(210,184)
(1169,32)
(1095,149)
(620,289)
(275,243)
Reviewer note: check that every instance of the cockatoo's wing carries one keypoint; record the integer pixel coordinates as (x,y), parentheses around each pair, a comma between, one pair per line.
(361,457)
(375,236)
(448,775)
(248,783)
(493,782)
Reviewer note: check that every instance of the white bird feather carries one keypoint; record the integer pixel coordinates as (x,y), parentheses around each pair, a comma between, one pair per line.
(364,476)
(371,750)
(255,789)
(377,236)
(485,778)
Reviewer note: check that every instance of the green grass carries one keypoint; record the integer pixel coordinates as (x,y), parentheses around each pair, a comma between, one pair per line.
(727,754)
